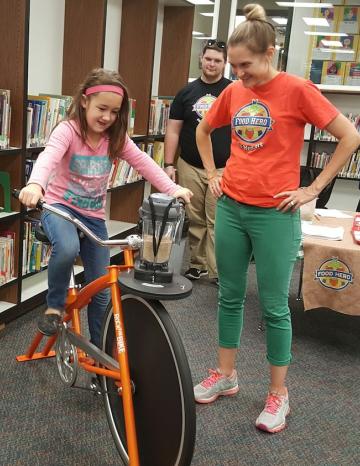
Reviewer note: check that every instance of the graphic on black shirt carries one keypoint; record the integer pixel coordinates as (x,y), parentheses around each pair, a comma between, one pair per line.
(202,105)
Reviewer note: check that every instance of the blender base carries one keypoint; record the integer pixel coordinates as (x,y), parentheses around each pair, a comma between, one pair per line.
(179,288)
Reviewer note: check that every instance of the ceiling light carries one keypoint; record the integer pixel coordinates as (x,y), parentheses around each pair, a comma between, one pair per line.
(316,22)
(337,51)
(201,2)
(207,14)
(332,34)
(331,43)
(305,4)
(196,33)
(279,20)
(202,37)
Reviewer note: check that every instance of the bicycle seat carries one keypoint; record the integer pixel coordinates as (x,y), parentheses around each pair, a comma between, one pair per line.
(40,234)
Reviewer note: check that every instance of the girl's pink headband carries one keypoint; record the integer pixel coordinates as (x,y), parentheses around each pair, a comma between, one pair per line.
(104,88)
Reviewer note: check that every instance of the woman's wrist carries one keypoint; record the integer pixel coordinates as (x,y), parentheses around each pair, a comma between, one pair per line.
(168,164)
(212,173)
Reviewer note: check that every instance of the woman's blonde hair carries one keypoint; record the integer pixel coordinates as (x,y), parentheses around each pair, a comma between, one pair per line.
(117,131)
(256,33)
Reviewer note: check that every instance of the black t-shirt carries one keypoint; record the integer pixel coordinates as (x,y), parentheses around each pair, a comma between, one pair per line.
(190,105)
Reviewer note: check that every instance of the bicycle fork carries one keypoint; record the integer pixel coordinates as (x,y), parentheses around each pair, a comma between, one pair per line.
(123,360)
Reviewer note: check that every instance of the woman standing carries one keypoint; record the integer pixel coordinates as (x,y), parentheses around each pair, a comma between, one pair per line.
(259,199)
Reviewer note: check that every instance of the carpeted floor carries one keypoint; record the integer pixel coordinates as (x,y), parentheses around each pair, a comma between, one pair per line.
(44,423)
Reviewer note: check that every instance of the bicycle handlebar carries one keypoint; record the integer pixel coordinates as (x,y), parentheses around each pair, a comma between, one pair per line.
(131,241)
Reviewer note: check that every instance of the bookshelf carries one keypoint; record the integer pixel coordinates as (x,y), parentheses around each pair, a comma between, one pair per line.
(83,48)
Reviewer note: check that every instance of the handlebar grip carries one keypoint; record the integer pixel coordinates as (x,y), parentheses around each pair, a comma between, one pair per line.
(16,194)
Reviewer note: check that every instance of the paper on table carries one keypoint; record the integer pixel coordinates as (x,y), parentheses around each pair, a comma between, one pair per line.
(333,213)
(319,231)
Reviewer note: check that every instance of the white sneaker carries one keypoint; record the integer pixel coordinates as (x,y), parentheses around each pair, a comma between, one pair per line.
(216,385)
(273,418)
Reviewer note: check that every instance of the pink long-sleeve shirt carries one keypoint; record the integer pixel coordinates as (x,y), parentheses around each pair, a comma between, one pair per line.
(75,174)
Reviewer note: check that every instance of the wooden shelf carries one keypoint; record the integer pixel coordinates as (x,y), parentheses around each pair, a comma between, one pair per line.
(331,89)
(10,151)
(4,216)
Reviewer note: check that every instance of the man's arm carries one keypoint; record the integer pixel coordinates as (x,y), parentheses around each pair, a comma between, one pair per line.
(172,134)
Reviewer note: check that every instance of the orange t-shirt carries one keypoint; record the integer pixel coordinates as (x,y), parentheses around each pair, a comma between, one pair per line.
(267,134)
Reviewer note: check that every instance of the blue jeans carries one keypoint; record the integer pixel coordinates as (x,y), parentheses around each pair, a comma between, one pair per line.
(66,246)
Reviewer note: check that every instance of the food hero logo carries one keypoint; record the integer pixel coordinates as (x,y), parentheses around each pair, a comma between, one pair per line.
(251,123)
(202,106)
(334,274)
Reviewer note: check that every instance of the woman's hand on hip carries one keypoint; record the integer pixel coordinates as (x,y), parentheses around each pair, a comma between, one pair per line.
(215,186)
(31,194)
(294,199)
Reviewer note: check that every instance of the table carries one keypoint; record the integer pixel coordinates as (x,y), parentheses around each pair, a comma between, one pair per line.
(331,275)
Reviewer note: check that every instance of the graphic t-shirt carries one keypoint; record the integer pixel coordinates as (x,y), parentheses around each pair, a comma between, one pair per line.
(73,173)
(267,134)
(191,105)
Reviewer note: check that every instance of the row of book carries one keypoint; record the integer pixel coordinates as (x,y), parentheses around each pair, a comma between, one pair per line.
(335,73)
(7,254)
(323,135)
(5,118)
(159,114)
(36,254)
(339,17)
(44,112)
(122,173)
(350,170)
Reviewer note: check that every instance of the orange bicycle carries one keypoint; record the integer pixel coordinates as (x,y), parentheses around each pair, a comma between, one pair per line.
(145,377)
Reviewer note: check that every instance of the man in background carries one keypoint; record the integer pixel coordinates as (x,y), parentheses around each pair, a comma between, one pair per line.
(188,108)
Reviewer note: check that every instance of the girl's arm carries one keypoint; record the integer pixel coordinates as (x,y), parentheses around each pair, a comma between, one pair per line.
(203,141)
(349,140)
(151,171)
(46,164)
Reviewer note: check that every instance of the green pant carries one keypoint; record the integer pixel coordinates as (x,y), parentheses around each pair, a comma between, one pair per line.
(273,238)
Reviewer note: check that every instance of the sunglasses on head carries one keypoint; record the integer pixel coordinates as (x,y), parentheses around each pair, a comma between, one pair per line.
(218,43)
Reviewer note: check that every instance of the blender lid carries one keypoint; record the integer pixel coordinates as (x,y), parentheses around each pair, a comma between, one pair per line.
(160,202)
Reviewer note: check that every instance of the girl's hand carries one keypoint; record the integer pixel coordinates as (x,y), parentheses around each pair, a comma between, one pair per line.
(184,193)
(171,172)
(215,186)
(294,199)
(31,194)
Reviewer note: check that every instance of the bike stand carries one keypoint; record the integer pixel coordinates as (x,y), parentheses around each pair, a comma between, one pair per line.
(45,353)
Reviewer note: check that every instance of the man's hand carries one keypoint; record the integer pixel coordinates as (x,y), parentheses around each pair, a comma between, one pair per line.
(171,172)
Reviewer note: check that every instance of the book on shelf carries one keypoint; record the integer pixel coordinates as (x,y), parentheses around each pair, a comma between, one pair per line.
(158,153)
(36,254)
(352,74)
(333,72)
(349,17)
(131,116)
(5,118)
(159,114)
(44,112)
(348,49)
(7,254)
(330,16)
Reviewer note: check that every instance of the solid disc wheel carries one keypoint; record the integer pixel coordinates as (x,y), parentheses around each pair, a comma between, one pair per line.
(163,399)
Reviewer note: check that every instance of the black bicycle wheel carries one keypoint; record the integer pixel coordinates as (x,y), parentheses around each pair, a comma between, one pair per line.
(163,397)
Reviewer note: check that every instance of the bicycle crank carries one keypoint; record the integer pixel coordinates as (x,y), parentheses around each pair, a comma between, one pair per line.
(66,357)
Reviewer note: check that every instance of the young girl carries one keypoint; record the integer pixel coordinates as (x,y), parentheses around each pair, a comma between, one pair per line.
(72,173)
(259,199)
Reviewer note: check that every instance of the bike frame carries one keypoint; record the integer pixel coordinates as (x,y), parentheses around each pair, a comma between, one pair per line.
(118,370)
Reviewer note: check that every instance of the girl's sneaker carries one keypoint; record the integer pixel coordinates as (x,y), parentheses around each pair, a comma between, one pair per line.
(273,418)
(216,385)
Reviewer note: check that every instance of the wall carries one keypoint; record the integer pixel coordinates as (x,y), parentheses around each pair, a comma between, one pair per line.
(46,40)
(112,35)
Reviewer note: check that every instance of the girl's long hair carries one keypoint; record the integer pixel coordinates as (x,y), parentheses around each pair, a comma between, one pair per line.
(117,131)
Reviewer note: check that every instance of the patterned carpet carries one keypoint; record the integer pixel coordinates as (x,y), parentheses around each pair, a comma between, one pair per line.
(44,423)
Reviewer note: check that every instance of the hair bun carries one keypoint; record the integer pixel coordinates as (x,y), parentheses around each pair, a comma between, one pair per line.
(254,11)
